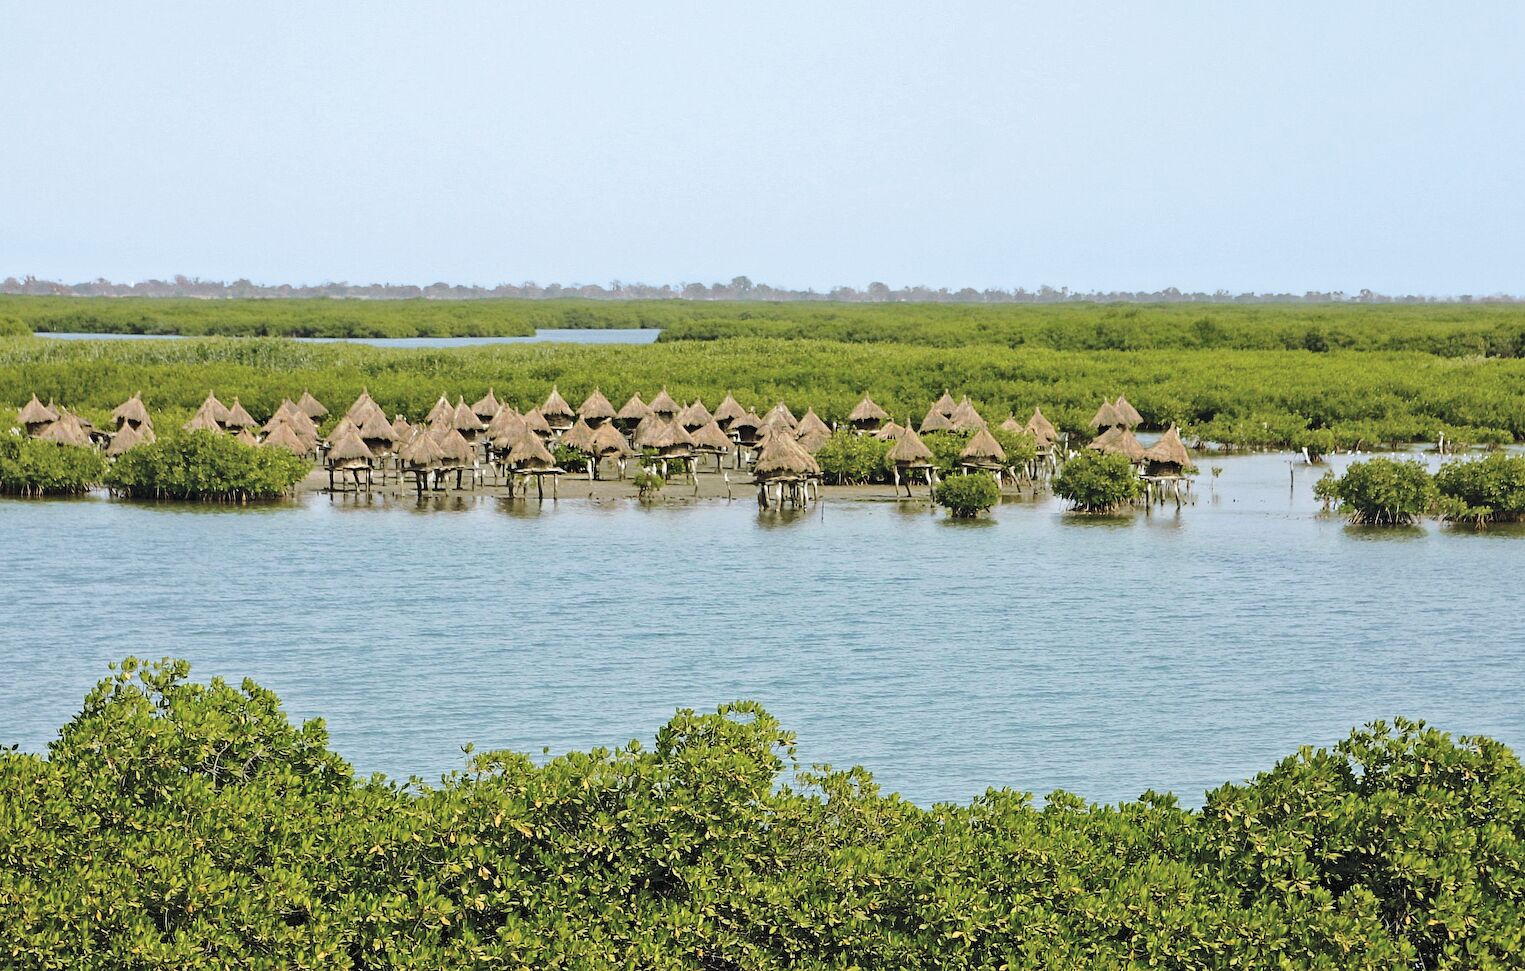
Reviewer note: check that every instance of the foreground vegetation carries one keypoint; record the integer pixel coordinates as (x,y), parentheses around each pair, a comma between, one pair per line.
(34,468)
(205,466)
(1388,492)
(173,824)
(1251,399)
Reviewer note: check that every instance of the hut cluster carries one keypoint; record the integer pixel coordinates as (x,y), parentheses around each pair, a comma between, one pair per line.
(53,422)
(1164,466)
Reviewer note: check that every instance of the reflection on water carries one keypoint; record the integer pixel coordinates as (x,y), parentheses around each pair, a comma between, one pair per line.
(1035,649)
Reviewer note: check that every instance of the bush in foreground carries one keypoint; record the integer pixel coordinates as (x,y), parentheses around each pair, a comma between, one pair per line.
(1097,483)
(29,467)
(1379,492)
(966,496)
(1489,490)
(173,824)
(205,465)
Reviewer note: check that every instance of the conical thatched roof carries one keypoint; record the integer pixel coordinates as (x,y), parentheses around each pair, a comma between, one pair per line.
(1116,440)
(983,449)
(711,438)
(364,407)
(311,407)
(812,439)
(695,415)
(35,412)
(506,429)
(402,428)
(909,449)
(238,417)
(442,413)
(1106,416)
(867,413)
(215,409)
(246,437)
(608,441)
(1041,428)
(344,426)
(596,408)
(936,421)
(1170,450)
(811,423)
(377,430)
(782,457)
(487,406)
(130,411)
(67,430)
(530,454)
(457,451)
(126,437)
(464,419)
(537,423)
(1125,411)
(634,410)
(1012,425)
(556,410)
(422,451)
(945,405)
(964,417)
(348,448)
(889,430)
(664,405)
(670,436)
(728,411)
(202,421)
(506,417)
(283,436)
(579,436)
(647,430)
(746,422)
(781,411)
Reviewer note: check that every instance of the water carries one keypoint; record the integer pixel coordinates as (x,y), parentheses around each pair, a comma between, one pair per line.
(1034,650)
(629,335)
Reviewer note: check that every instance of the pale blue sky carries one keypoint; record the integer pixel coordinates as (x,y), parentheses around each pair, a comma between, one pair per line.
(1276,146)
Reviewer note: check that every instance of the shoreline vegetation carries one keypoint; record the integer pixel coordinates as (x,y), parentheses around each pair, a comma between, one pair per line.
(177,824)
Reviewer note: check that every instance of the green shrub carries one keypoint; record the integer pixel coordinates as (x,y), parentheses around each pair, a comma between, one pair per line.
(966,496)
(1020,447)
(12,327)
(946,447)
(1097,483)
(32,468)
(1491,489)
(178,825)
(205,465)
(647,483)
(1379,492)
(848,458)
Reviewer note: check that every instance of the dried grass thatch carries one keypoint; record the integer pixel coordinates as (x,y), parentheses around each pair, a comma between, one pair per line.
(67,430)
(364,407)
(1041,429)
(556,410)
(596,408)
(695,415)
(464,420)
(712,438)
(311,407)
(633,410)
(607,441)
(130,412)
(215,409)
(1106,416)
(936,421)
(1127,413)
(239,417)
(1118,441)
(910,451)
(442,413)
(127,437)
(728,411)
(965,417)
(422,451)
(505,418)
(283,436)
(782,457)
(888,431)
(35,415)
(457,451)
(377,432)
(1169,454)
(348,450)
(781,412)
(812,439)
(664,405)
(203,421)
(246,437)
(529,454)
(536,423)
(945,405)
(983,451)
(579,436)
(647,430)
(867,415)
(487,406)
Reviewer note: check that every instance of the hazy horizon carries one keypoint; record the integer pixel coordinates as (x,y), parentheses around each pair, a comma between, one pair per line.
(1090,146)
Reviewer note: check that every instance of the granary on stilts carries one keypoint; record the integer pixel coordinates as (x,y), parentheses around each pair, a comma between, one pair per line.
(596,409)
(965,418)
(486,408)
(529,457)
(631,413)
(785,472)
(311,407)
(239,419)
(347,454)
(983,454)
(867,416)
(1118,440)
(711,439)
(664,406)
(695,416)
(1168,467)
(1127,415)
(284,436)
(812,432)
(35,417)
(557,413)
(937,421)
(421,457)
(911,455)
(608,443)
(728,411)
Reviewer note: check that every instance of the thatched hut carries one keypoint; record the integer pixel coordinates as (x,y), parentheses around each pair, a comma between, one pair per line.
(608,443)
(965,418)
(246,437)
(673,445)
(422,457)
(536,423)
(1042,430)
(311,407)
(529,456)
(867,416)
(1118,441)
(239,418)
(1106,417)
(1126,413)
(910,454)
(204,420)
(344,426)
(131,413)
(377,433)
(214,410)
(889,431)
(126,438)
(66,430)
(781,412)
(487,407)
(784,469)
(664,405)
(35,417)
(746,429)
(465,421)
(579,436)
(945,405)
(695,416)
(631,413)
(1168,456)
(443,413)
(506,417)
(937,421)
(348,453)
(728,412)
(364,407)
(596,409)
(647,430)
(812,433)
(712,439)
(984,453)
(557,413)
(403,429)
(285,436)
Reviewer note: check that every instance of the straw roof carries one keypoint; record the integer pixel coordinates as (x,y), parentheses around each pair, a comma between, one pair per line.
(782,457)
(812,423)
(695,415)
(579,436)
(1041,428)
(487,406)
(672,435)
(728,411)
(344,426)
(131,410)
(529,454)
(202,421)
(1012,425)
(983,449)
(507,429)
(505,418)
(311,407)
(215,409)
(775,421)
(126,437)
(536,422)
(35,412)
(888,430)
(67,430)
(457,451)
(1106,416)
(664,405)
(556,407)
(945,405)
(937,421)
(595,407)
(1127,412)
(711,437)
(812,439)
(746,420)
(238,417)
(464,419)
(377,429)
(634,410)
(246,437)
(284,435)
(363,408)
(964,417)
(402,428)
(781,410)
(1118,441)
(654,429)
(608,441)
(1170,450)
(910,450)
(422,451)
(348,448)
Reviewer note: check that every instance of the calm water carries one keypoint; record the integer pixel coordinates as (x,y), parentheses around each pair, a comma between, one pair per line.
(635,335)
(1035,650)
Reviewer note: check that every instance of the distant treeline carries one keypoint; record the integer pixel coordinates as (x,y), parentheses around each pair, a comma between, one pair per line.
(739,288)
(1452,330)
(1249,398)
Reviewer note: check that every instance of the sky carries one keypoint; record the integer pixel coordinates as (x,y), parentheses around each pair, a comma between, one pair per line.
(1285,146)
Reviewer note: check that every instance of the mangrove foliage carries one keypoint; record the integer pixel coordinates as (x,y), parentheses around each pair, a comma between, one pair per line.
(206,466)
